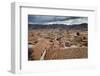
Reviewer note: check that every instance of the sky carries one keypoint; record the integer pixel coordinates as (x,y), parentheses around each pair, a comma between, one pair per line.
(47,19)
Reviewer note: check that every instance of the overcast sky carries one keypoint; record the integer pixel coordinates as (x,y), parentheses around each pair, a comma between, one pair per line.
(69,20)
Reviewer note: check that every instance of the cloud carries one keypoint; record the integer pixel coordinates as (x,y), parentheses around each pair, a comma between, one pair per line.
(41,19)
(70,21)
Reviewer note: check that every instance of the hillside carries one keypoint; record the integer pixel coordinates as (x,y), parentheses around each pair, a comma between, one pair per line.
(82,27)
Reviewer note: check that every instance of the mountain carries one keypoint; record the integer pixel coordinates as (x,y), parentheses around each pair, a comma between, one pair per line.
(82,27)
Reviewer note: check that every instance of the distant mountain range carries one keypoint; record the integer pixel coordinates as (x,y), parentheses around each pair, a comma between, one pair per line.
(82,27)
